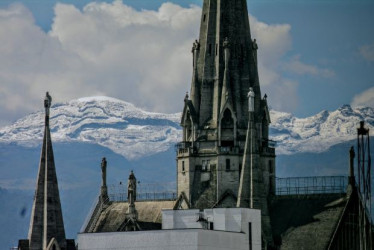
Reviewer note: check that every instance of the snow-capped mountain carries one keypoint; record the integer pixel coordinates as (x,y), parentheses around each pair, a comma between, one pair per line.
(133,132)
(319,132)
(109,122)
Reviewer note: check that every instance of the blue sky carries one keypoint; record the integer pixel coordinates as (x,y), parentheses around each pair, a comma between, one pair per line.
(315,55)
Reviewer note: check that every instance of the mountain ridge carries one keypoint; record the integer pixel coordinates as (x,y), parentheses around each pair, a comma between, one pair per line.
(134,133)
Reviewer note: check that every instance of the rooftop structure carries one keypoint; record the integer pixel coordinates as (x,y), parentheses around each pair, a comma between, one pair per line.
(219,228)
(226,160)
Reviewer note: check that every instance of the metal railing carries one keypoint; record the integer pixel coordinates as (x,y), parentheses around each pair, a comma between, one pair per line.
(145,192)
(146,196)
(311,185)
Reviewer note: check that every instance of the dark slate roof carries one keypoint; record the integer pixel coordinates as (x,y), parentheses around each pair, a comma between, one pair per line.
(149,215)
(306,222)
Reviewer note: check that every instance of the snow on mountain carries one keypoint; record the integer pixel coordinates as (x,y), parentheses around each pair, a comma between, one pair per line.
(133,132)
(319,132)
(109,122)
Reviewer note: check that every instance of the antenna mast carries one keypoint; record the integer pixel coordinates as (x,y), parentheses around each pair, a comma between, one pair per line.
(364,185)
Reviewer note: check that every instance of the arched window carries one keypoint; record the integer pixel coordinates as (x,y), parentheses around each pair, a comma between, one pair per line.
(227,129)
(188,127)
(227,121)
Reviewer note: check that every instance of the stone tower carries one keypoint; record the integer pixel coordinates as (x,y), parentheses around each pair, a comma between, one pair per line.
(46,224)
(215,167)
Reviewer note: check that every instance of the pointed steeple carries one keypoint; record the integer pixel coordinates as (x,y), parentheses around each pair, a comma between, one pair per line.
(46,219)
(218,75)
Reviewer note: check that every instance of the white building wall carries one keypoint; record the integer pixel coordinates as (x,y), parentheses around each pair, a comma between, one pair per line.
(190,239)
(180,219)
(183,231)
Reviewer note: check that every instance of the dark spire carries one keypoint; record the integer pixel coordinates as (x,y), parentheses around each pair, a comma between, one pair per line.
(224,20)
(46,218)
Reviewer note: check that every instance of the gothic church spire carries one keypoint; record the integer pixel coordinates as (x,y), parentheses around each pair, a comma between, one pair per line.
(224,29)
(46,222)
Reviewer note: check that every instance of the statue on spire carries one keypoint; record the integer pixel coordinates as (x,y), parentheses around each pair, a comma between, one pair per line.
(195,46)
(131,188)
(226,42)
(254,45)
(47,103)
(186,97)
(251,100)
(104,190)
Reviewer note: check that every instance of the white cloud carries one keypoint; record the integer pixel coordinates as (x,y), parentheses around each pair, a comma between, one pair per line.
(298,67)
(367,52)
(274,42)
(112,49)
(365,98)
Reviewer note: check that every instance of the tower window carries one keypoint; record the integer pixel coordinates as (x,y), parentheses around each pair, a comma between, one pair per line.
(210,49)
(183,168)
(227,121)
(204,17)
(270,166)
(228,164)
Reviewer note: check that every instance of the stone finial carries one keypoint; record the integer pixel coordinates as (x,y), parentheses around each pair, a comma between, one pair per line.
(195,46)
(47,103)
(186,97)
(251,100)
(226,43)
(254,45)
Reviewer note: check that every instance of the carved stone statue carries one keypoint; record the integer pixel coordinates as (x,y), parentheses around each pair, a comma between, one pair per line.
(103,171)
(131,188)
(47,103)
(251,100)
(226,43)
(186,97)
(254,45)
(197,45)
